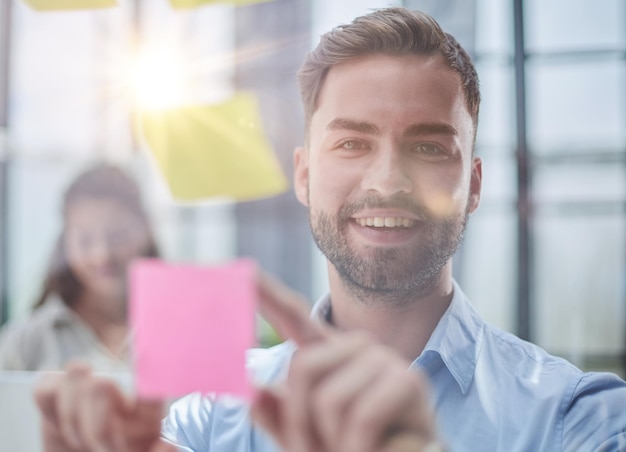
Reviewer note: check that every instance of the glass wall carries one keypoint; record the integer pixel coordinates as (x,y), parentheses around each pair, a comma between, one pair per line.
(571,98)
(488,264)
(576,102)
(69,105)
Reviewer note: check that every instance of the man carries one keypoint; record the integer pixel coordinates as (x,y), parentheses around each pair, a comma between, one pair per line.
(389,176)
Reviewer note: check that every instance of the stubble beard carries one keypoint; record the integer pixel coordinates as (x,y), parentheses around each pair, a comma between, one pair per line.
(398,274)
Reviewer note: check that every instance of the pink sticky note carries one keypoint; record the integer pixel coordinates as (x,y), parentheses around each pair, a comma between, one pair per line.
(192,326)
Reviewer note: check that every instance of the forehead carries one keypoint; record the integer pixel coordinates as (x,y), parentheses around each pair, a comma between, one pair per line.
(95,210)
(393,90)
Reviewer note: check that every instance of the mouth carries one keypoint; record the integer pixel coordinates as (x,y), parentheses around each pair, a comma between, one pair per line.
(109,271)
(386,222)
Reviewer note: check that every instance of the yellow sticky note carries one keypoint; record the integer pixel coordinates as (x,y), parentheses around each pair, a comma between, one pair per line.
(214,150)
(57,5)
(180,4)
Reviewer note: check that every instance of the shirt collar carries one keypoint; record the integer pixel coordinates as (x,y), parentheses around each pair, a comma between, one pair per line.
(57,312)
(322,309)
(455,342)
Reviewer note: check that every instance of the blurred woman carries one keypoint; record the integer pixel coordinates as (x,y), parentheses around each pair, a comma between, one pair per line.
(81,312)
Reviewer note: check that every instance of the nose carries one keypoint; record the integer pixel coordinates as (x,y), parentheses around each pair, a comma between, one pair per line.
(100,252)
(388,174)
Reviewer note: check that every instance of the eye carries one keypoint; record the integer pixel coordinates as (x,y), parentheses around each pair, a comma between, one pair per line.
(118,237)
(427,149)
(430,150)
(83,241)
(352,145)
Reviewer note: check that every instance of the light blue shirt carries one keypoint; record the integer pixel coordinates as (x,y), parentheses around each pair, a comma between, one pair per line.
(491,392)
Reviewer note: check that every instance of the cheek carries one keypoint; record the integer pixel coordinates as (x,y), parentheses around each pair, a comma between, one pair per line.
(331,185)
(75,257)
(137,247)
(445,192)
(122,257)
(78,266)
(131,252)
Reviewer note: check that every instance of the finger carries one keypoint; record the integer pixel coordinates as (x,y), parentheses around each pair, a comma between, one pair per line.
(309,367)
(100,414)
(45,395)
(70,396)
(163,446)
(267,411)
(142,426)
(410,442)
(339,391)
(287,311)
(395,403)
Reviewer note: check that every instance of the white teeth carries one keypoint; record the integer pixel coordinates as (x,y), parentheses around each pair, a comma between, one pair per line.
(386,222)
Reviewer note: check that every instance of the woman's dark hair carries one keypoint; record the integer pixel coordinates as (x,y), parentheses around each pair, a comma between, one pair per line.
(103,182)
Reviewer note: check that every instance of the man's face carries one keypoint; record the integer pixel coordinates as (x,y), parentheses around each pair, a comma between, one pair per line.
(388,174)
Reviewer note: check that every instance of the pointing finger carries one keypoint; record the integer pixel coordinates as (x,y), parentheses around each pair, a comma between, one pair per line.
(287,311)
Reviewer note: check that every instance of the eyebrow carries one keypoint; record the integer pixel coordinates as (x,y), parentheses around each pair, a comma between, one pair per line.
(429,128)
(355,126)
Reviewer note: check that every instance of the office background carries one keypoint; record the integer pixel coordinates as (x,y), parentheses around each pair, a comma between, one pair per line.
(543,257)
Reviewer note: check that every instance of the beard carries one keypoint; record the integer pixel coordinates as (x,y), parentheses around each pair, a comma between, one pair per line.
(400,272)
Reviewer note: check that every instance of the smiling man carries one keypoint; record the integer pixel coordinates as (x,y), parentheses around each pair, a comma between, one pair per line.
(394,358)
(388,173)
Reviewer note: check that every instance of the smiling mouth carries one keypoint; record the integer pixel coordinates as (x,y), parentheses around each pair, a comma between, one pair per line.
(386,222)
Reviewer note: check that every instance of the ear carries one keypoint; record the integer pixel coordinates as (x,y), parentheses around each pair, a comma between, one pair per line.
(476,182)
(301,174)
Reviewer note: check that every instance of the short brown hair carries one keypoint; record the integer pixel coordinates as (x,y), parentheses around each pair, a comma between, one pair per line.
(395,31)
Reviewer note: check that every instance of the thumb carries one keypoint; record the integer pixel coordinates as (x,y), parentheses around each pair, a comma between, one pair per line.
(410,442)
(287,311)
(163,446)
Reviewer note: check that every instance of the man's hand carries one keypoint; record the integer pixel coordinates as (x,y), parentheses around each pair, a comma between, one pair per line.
(82,412)
(345,392)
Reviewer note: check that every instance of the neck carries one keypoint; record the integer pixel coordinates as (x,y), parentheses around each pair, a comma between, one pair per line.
(109,325)
(402,321)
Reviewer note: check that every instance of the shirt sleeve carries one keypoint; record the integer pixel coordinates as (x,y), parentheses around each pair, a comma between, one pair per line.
(595,419)
(208,423)
(189,422)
